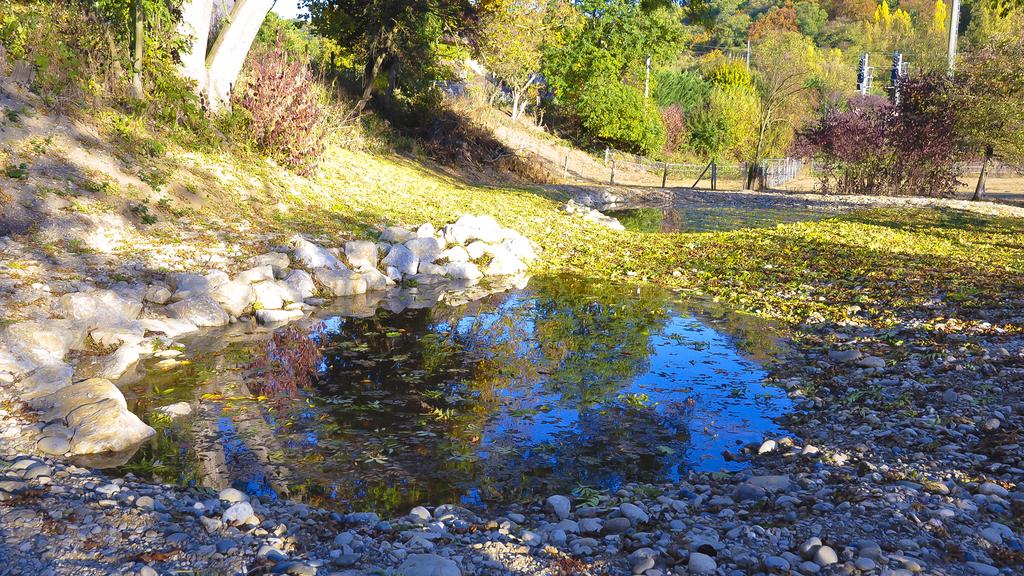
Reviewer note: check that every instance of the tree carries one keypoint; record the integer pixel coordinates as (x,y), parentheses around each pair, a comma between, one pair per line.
(216,70)
(598,74)
(991,98)
(781,83)
(388,33)
(512,39)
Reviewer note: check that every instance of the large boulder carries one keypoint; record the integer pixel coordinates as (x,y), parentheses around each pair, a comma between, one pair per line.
(273,295)
(397,234)
(455,254)
(464,271)
(402,259)
(468,228)
(301,282)
(520,247)
(361,254)
(234,297)
(169,327)
(96,412)
(195,283)
(426,249)
(200,311)
(375,280)
(45,342)
(117,334)
(340,282)
(435,269)
(88,308)
(256,274)
(313,256)
(44,381)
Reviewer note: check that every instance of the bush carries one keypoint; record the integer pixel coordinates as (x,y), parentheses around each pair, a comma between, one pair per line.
(283,103)
(619,114)
(883,149)
(676,134)
(686,89)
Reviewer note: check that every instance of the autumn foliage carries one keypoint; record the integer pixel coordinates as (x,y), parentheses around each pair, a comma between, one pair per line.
(282,102)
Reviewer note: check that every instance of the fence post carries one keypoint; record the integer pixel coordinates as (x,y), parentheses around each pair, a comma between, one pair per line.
(664,176)
(614,162)
(714,175)
(565,168)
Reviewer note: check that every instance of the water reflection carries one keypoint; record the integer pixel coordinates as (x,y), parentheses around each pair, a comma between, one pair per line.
(568,383)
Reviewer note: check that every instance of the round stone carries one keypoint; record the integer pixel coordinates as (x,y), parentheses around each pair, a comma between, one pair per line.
(233,495)
(825,556)
(560,505)
(702,564)
(644,564)
(429,565)
(53,446)
(864,564)
(147,571)
(616,525)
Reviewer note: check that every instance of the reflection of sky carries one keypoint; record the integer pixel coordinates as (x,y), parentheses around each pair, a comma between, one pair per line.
(677,371)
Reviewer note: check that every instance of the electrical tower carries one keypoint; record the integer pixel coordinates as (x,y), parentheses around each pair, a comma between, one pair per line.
(865,75)
(899,71)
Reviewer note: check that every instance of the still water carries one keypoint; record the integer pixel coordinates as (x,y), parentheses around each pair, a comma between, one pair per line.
(563,386)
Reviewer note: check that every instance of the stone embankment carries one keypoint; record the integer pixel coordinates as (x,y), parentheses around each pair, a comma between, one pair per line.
(109,330)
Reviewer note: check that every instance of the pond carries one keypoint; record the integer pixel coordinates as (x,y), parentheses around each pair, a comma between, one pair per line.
(567,385)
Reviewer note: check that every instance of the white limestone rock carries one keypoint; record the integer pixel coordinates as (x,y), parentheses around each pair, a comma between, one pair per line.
(278,259)
(96,412)
(45,342)
(340,282)
(455,254)
(45,380)
(254,275)
(403,259)
(426,249)
(273,295)
(476,250)
(361,254)
(170,327)
(234,297)
(437,270)
(266,316)
(199,310)
(464,271)
(426,230)
(301,282)
(175,411)
(117,334)
(312,256)
(375,280)
(397,234)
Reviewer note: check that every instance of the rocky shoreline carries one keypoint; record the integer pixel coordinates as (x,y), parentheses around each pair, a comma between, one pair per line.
(901,459)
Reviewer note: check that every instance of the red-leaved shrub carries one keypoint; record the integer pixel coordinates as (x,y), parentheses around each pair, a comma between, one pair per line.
(875,147)
(676,135)
(281,98)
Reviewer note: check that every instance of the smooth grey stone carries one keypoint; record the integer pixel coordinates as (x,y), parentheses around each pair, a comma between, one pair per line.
(864,564)
(226,546)
(429,565)
(616,525)
(176,538)
(825,556)
(701,564)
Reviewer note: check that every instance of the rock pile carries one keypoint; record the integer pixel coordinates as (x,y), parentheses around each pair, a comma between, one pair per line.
(593,215)
(109,330)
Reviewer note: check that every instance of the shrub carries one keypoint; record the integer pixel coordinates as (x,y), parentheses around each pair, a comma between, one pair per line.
(879,148)
(687,89)
(676,134)
(619,114)
(282,101)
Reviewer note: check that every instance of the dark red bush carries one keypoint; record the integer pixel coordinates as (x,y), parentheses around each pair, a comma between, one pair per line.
(877,148)
(287,119)
(676,135)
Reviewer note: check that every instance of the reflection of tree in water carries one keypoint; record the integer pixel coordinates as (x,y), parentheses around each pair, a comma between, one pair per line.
(428,404)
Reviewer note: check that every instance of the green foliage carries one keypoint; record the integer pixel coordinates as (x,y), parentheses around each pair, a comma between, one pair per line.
(727,74)
(17,172)
(687,89)
(810,17)
(619,114)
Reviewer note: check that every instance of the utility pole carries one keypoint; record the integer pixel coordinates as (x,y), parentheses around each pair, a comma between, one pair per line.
(748,56)
(954,22)
(647,82)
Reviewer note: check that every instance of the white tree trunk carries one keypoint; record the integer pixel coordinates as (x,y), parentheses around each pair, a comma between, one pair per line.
(232,46)
(196,16)
(216,74)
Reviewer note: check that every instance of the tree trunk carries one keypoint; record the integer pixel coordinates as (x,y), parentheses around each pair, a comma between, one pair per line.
(373,64)
(229,51)
(195,21)
(390,92)
(140,22)
(979,190)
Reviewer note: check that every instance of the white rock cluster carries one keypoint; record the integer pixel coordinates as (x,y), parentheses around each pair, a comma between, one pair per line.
(592,215)
(83,412)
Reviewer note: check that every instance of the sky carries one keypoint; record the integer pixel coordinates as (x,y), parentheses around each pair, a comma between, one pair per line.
(287,8)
